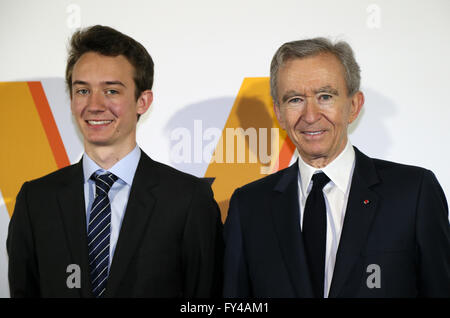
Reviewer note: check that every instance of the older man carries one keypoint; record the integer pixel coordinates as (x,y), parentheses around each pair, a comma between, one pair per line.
(336,223)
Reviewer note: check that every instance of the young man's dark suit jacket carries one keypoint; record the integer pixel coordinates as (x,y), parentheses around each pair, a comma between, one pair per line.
(170,243)
(403,228)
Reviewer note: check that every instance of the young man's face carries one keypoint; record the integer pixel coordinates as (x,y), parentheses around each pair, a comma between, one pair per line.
(314,107)
(103,100)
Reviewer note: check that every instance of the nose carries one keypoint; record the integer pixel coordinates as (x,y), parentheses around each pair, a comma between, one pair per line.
(96,102)
(311,112)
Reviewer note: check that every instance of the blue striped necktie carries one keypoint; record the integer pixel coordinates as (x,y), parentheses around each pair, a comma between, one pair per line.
(99,231)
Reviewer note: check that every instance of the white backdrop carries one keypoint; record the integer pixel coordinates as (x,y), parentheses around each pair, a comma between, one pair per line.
(203,49)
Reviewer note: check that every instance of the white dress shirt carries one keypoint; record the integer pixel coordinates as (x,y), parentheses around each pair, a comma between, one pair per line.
(119,193)
(340,172)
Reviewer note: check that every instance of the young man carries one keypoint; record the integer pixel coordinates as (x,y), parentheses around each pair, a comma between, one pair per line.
(129,226)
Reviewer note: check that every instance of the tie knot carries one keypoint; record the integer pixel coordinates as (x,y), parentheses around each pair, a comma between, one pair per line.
(320,180)
(104,181)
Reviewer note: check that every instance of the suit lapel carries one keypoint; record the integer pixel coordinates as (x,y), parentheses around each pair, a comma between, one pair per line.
(361,208)
(73,214)
(138,212)
(286,218)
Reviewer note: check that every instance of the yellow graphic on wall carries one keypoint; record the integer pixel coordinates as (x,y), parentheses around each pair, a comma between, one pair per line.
(30,142)
(252,144)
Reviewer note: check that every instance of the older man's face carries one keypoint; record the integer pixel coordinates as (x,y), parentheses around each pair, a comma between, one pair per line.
(314,107)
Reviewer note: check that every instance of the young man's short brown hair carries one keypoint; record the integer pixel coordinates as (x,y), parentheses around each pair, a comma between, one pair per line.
(110,42)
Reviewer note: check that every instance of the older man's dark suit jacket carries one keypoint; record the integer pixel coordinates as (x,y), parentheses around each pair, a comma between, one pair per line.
(170,243)
(403,228)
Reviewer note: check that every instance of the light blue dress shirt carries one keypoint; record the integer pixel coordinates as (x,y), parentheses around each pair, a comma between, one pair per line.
(118,194)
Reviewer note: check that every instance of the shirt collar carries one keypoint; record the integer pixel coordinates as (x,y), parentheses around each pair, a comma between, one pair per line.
(124,169)
(339,170)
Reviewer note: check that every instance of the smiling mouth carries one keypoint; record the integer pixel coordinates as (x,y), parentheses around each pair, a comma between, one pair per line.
(313,133)
(98,122)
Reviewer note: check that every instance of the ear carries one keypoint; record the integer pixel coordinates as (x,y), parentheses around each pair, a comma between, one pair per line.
(357,104)
(280,117)
(144,101)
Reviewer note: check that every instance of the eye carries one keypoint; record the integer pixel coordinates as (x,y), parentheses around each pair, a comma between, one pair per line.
(111,92)
(82,91)
(295,100)
(325,98)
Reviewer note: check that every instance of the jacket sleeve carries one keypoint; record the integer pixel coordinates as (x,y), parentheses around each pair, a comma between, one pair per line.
(236,280)
(433,239)
(202,246)
(22,269)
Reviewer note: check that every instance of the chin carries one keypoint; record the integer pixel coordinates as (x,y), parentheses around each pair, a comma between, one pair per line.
(98,141)
(313,149)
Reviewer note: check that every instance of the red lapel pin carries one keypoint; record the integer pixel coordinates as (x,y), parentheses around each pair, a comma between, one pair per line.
(366,202)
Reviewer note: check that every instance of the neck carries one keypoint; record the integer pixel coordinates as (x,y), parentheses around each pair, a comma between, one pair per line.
(107,156)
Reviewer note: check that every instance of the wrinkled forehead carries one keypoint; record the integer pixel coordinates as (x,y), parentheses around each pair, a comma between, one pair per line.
(309,74)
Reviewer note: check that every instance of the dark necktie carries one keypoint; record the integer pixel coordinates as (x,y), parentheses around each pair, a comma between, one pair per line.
(315,232)
(99,231)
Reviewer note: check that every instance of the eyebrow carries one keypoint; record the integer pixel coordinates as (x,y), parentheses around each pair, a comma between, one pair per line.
(325,89)
(78,82)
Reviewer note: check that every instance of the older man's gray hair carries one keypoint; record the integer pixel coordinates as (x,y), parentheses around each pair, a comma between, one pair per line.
(311,47)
